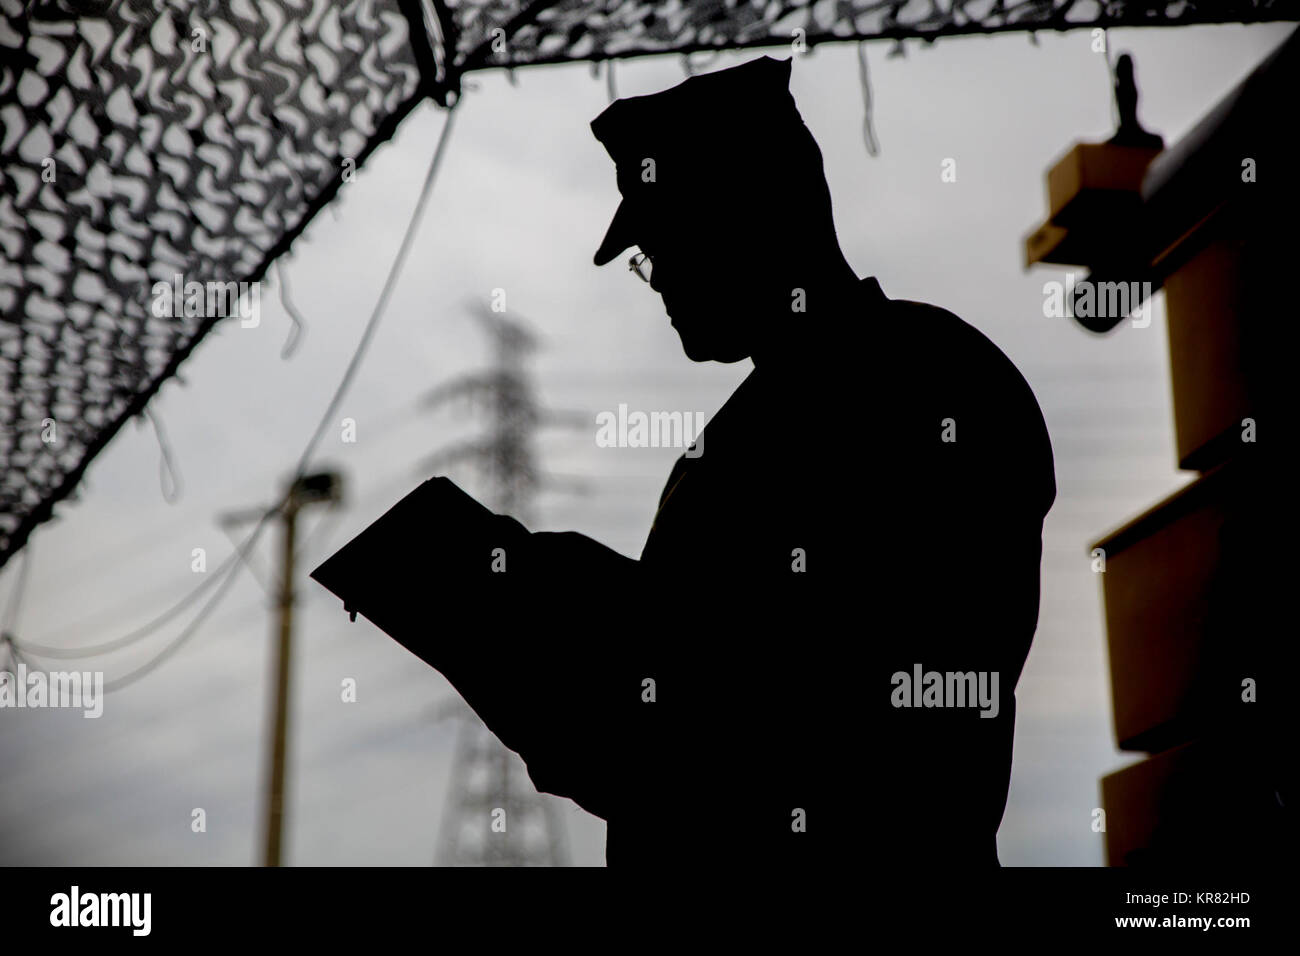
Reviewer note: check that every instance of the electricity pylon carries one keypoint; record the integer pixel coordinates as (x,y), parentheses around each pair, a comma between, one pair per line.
(494,816)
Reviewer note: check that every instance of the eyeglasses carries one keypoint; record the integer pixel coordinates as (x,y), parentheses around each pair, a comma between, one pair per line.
(642,265)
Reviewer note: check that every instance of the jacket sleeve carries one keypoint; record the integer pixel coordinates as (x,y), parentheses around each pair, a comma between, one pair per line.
(547,679)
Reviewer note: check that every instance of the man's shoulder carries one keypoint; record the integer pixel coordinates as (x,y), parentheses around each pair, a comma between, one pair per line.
(940,341)
(941,358)
(942,335)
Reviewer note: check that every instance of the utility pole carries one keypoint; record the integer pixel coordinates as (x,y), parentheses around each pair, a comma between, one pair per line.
(488,782)
(309,489)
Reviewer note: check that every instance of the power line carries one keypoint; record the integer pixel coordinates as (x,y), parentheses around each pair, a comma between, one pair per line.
(189,631)
(324,527)
(10,622)
(373,323)
(295,333)
(223,572)
(224,575)
(203,614)
(139,633)
(169,475)
(16,596)
(331,409)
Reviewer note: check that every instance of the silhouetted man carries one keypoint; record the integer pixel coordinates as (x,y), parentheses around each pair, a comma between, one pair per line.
(814,659)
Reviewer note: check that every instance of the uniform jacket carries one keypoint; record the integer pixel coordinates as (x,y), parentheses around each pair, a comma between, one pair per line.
(733,696)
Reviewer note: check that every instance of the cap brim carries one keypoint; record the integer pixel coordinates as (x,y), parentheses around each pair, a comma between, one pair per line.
(618,236)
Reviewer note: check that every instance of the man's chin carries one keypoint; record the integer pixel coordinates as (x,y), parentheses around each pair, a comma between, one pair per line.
(698,351)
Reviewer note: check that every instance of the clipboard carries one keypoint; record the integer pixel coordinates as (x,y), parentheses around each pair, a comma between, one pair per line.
(428,566)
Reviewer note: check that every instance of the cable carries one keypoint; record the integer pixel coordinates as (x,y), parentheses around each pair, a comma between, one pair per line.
(16,597)
(1112,78)
(185,635)
(10,622)
(15,657)
(167,464)
(868,133)
(349,374)
(192,628)
(323,529)
(373,323)
(108,647)
(225,572)
(295,333)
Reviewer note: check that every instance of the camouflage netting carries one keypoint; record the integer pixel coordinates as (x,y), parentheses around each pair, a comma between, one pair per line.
(141,141)
(568,30)
(145,139)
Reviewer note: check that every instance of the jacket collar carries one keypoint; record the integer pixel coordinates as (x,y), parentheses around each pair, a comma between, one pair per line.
(871,290)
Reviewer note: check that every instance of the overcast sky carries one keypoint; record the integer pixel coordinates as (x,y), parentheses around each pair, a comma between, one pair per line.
(523,198)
